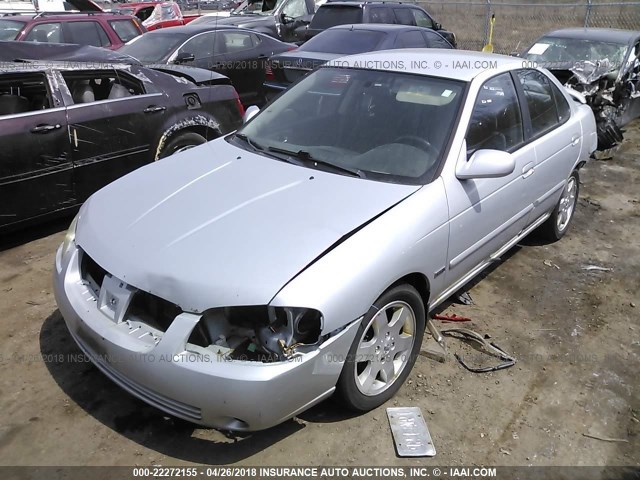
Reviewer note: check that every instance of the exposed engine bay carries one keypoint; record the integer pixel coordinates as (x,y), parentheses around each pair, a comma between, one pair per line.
(258,333)
(609,92)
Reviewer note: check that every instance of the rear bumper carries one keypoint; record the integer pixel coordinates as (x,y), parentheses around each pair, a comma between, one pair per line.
(211,391)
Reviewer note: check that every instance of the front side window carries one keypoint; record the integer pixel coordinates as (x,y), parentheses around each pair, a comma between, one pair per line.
(421,18)
(404,16)
(435,40)
(86,33)
(382,125)
(125,29)
(496,122)
(201,46)
(46,33)
(540,100)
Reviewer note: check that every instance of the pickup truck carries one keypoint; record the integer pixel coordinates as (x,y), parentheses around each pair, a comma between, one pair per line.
(278,19)
(156,15)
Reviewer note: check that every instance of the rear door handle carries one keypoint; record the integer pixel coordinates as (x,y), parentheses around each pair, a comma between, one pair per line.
(45,128)
(528,169)
(154,109)
(575,140)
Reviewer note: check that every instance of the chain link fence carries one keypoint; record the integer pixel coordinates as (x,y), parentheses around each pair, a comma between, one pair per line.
(518,25)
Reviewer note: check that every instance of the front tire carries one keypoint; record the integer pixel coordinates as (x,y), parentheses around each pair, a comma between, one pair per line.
(181,142)
(558,223)
(384,350)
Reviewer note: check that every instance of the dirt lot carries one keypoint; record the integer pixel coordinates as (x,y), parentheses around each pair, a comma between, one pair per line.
(576,335)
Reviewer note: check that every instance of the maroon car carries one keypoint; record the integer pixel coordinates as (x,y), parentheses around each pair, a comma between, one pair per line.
(98,29)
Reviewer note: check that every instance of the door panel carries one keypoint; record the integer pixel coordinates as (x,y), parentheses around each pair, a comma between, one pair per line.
(110,128)
(486,213)
(35,165)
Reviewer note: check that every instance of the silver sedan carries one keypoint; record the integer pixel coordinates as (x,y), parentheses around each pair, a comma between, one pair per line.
(240,282)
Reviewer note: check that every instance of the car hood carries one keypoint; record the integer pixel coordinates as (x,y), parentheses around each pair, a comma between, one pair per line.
(220,226)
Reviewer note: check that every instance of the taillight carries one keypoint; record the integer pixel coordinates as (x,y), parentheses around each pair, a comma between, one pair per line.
(239,105)
(268,72)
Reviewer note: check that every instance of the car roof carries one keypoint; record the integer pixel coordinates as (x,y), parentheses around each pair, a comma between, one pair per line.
(461,65)
(189,30)
(598,34)
(44,65)
(75,16)
(378,27)
(360,3)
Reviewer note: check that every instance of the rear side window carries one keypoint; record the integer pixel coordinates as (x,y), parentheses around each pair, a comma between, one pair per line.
(23,93)
(540,100)
(404,16)
(46,33)
(496,122)
(125,29)
(86,33)
(410,40)
(435,40)
(9,29)
(330,16)
(381,15)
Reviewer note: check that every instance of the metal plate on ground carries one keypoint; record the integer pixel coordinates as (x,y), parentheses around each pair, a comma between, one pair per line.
(410,432)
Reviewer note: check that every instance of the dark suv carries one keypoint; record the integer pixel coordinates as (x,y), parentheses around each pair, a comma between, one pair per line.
(332,14)
(98,29)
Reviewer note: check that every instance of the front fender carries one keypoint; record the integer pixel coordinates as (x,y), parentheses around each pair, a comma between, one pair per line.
(196,120)
(411,237)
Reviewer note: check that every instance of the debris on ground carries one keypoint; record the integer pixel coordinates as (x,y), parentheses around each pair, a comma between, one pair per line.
(451,318)
(549,263)
(597,268)
(605,439)
(464,298)
(490,348)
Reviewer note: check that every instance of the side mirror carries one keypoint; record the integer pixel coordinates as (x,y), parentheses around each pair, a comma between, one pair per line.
(284,18)
(437,26)
(515,54)
(184,57)
(249,113)
(486,164)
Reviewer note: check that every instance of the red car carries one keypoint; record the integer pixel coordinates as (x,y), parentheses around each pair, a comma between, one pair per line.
(156,15)
(98,29)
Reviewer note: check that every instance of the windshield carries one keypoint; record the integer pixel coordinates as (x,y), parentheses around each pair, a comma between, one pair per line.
(574,50)
(9,29)
(386,126)
(154,47)
(344,42)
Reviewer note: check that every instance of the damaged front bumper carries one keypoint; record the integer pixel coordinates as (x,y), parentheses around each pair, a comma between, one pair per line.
(158,367)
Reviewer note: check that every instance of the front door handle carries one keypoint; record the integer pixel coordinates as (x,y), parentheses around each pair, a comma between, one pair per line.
(527,170)
(45,128)
(154,109)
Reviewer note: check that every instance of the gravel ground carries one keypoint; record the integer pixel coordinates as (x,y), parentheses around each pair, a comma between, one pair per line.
(575,333)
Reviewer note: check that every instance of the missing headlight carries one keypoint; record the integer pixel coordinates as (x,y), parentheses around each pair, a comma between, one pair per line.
(258,333)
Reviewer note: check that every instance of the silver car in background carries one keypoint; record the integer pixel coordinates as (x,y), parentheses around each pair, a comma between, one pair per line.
(238,283)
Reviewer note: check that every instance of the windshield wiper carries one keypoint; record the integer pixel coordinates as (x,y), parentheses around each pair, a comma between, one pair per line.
(251,143)
(307,157)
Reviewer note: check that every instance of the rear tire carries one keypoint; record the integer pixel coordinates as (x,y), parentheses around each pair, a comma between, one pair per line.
(384,350)
(558,223)
(181,142)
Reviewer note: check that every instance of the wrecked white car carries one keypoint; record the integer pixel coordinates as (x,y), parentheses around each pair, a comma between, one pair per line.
(238,283)
(603,64)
